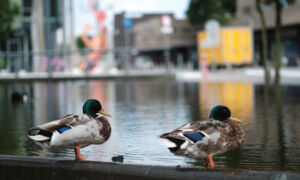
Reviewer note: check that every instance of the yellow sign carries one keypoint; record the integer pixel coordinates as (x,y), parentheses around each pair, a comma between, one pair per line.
(235,47)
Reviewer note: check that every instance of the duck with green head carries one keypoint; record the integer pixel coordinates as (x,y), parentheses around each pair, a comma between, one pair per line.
(206,138)
(75,131)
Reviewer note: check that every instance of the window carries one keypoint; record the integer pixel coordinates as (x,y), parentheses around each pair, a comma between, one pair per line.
(247,10)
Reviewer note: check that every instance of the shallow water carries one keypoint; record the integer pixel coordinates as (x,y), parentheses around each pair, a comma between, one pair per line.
(143,109)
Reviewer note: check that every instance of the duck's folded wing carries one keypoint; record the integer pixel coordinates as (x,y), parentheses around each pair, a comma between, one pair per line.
(69,120)
(191,132)
(44,132)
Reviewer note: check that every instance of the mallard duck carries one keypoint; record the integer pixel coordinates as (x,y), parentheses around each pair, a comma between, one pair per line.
(17,97)
(75,131)
(218,134)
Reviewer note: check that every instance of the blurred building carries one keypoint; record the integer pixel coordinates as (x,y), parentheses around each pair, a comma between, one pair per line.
(247,15)
(147,39)
(34,30)
(120,30)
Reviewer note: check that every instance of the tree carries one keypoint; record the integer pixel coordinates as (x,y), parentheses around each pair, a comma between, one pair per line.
(278,5)
(278,10)
(8,12)
(264,40)
(199,11)
(80,44)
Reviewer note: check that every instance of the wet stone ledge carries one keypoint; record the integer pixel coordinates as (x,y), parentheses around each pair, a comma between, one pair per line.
(20,167)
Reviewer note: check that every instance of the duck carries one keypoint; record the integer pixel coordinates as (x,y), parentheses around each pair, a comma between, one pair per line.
(206,138)
(19,97)
(75,131)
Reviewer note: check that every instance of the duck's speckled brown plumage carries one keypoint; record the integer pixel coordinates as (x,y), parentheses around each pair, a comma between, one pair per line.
(235,137)
(220,136)
(106,129)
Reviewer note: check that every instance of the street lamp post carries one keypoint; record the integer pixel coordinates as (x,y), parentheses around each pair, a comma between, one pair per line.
(166,29)
(127,23)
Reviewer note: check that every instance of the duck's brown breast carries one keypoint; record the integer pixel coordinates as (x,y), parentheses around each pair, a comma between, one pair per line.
(106,129)
(236,136)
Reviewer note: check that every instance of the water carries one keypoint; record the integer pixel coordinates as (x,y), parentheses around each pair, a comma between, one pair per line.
(143,109)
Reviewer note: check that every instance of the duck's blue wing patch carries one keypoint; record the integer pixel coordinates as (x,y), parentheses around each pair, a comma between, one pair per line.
(63,129)
(195,136)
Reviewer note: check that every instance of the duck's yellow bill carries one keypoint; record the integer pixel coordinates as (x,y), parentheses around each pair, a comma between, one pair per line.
(104,113)
(235,119)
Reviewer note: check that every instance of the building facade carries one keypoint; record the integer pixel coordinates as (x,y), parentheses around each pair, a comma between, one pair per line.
(34,32)
(149,40)
(146,39)
(247,15)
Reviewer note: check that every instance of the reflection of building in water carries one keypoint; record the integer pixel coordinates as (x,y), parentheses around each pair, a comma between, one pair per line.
(39,101)
(237,96)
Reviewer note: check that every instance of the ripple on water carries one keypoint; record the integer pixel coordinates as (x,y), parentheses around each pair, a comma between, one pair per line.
(144,109)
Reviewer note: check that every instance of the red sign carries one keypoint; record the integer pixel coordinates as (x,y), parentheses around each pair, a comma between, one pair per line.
(166,26)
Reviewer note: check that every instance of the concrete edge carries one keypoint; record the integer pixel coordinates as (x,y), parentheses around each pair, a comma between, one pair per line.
(24,167)
(87,77)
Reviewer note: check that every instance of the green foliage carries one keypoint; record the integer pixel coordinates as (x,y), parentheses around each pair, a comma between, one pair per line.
(80,44)
(199,11)
(2,62)
(8,12)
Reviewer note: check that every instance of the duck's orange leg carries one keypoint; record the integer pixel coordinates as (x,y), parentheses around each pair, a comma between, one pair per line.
(78,154)
(211,161)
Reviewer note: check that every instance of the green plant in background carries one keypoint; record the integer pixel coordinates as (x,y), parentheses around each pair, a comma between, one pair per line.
(199,11)
(2,62)
(8,11)
(80,44)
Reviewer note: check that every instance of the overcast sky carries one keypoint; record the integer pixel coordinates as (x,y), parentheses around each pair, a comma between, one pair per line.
(83,15)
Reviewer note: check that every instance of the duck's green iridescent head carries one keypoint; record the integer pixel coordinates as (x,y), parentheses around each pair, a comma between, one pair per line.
(92,106)
(220,113)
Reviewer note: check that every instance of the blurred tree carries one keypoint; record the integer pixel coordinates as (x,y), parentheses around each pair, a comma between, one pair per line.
(278,11)
(8,11)
(264,40)
(199,11)
(278,5)
(80,44)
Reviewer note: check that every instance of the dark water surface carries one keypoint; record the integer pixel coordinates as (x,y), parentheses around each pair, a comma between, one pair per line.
(142,110)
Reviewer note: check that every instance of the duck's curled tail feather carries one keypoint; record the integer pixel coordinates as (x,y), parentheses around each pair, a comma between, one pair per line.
(172,143)
(40,135)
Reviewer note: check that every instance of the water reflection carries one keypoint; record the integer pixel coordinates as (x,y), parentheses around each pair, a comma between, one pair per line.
(13,120)
(141,110)
(237,96)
